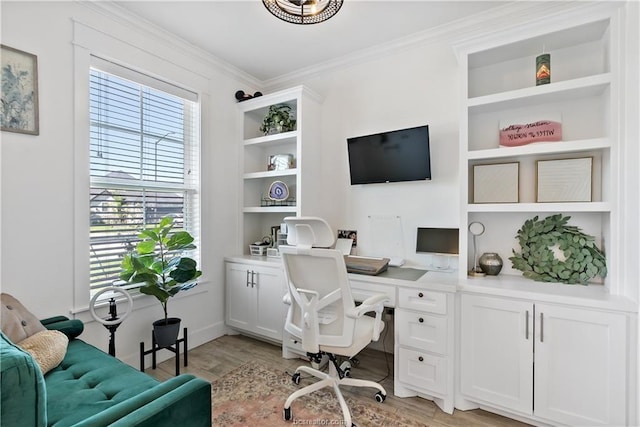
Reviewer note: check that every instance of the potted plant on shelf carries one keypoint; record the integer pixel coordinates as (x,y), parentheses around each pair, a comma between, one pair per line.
(278,119)
(158,261)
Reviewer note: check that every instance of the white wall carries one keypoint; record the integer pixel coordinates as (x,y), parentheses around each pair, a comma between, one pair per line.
(37,178)
(412,87)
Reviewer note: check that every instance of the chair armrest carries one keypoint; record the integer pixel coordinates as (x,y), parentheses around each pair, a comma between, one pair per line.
(373,303)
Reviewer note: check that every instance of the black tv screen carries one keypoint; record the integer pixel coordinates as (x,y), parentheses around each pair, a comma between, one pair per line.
(399,155)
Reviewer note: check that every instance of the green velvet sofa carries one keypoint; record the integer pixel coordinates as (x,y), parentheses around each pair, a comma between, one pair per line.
(91,388)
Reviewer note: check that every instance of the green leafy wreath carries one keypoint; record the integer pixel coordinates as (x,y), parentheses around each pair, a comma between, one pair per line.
(541,241)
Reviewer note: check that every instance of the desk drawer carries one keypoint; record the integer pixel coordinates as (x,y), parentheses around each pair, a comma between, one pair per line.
(422,331)
(422,300)
(422,370)
(363,290)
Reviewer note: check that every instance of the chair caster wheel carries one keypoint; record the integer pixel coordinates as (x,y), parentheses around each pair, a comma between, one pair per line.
(347,372)
(296,379)
(287,415)
(380,397)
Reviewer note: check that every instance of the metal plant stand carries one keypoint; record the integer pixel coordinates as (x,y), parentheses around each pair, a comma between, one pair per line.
(174,348)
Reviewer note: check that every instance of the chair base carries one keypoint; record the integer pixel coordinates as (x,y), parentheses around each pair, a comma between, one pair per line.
(335,378)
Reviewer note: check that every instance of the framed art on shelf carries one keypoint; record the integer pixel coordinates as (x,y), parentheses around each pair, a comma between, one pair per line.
(19,91)
(564,180)
(496,183)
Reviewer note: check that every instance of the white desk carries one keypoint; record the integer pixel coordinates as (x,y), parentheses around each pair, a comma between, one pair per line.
(423,330)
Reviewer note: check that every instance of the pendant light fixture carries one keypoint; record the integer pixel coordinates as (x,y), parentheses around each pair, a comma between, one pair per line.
(303,11)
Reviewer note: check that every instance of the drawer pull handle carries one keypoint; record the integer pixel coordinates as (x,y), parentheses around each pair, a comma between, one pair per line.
(421,359)
(421,320)
(420,295)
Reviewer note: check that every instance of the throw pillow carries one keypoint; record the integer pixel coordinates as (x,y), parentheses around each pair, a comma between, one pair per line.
(47,348)
(16,321)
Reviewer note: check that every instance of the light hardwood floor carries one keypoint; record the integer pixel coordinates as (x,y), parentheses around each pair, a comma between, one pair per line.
(216,358)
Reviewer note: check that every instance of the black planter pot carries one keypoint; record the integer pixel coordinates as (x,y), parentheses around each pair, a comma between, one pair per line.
(166,333)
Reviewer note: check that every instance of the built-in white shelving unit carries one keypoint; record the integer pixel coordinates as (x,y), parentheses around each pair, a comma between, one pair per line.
(503,318)
(258,213)
(499,86)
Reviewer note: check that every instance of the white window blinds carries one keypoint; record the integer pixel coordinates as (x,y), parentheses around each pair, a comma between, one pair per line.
(144,158)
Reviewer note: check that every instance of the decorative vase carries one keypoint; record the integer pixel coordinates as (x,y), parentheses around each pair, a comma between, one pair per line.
(490,263)
(166,334)
(274,129)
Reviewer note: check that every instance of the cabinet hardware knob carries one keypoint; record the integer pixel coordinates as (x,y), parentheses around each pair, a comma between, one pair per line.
(421,320)
(420,295)
(421,359)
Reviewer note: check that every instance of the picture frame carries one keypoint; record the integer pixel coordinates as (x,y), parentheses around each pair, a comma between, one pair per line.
(19,91)
(496,183)
(564,180)
(349,234)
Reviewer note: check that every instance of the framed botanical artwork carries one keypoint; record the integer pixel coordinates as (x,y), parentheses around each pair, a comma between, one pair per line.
(19,91)
(564,180)
(496,183)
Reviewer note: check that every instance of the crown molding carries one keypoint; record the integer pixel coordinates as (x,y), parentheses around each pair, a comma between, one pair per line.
(123,16)
(510,16)
(547,19)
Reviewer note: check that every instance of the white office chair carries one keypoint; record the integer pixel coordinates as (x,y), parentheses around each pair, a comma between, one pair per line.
(322,314)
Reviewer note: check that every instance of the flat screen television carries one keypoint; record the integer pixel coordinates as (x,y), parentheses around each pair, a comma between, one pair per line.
(394,156)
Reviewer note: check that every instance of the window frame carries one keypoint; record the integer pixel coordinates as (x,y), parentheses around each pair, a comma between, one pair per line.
(117,87)
(145,54)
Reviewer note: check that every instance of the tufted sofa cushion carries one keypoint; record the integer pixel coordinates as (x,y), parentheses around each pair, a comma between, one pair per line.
(87,382)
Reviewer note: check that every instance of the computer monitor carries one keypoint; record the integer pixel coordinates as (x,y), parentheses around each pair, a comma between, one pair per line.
(439,241)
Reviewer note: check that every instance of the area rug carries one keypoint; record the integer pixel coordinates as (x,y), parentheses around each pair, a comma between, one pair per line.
(254,395)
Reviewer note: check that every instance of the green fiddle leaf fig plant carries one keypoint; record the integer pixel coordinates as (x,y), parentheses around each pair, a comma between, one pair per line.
(158,261)
(551,250)
(278,119)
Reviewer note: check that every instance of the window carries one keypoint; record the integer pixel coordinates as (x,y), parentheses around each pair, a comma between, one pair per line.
(144,157)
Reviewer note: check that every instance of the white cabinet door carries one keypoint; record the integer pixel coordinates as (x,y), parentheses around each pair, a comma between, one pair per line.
(581,361)
(254,299)
(240,298)
(268,286)
(496,352)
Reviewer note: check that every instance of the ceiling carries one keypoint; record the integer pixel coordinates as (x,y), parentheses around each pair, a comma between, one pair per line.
(244,34)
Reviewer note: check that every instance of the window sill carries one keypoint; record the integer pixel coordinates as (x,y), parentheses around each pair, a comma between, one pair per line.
(140,301)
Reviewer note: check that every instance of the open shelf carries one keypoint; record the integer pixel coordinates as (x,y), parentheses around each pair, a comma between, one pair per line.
(540,207)
(541,148)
